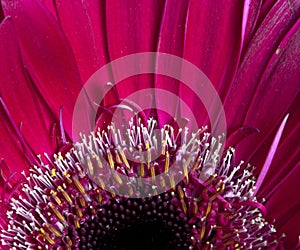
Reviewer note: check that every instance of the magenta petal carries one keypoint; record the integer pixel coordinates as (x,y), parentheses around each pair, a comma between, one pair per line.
(286,160)
(268,161)
(132,27)
(86,32)
(173,22)
(212,42)
(47,55)
(19,95)
(263,45)
(254,10)
(272,98)
(284,205)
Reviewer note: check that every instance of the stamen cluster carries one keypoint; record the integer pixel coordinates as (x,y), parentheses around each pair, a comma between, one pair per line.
(85,198)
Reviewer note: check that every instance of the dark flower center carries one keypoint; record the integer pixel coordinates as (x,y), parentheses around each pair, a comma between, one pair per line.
(151,223)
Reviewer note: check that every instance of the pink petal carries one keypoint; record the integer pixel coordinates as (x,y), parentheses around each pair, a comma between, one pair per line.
(132,27)
(270,156)
(47,55)
(212,42)
(263,45)
(254,11)
(86,32)
(20,96)
(283,166)
(284,205)
(277,89)
(171,41)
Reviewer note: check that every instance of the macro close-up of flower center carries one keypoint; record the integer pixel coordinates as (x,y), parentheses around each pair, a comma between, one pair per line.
(212,207)
(149,124)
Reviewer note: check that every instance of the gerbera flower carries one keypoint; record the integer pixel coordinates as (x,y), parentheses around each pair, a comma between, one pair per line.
(249,51)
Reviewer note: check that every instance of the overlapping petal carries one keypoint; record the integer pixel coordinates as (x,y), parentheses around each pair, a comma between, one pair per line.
(54,73)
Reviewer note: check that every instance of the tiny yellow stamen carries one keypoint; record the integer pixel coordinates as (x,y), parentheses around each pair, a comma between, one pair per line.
(55,197)
(142,169)
(101,183)
(47,237)
(152,170)
(185,168)
(66,196)
(53,230)
(202,231)
(172,181)
(76,222)
(53,172)
(57,213)
(163,149)
(90,166)
(79,186)
(117,177)
(183,205)
(78,211)
(167,163)
(110,159)
(82,201)
(124,159)
(208,209)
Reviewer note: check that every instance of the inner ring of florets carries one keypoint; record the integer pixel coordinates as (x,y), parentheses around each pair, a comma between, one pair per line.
(141,160)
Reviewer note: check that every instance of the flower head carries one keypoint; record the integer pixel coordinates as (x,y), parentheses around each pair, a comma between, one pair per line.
(249,51)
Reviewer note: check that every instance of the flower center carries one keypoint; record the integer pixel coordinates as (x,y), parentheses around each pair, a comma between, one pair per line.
(150,223)
(82,200)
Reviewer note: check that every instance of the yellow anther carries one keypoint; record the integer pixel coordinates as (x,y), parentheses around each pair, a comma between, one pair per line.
(220,190)
(180,193)
(148,158)
(210,179)
(57,213)
(163,149)
(208,208)
(124,159)
(117,177)
(167,162)
(101,183)
(90,166)
(118,159)
(53,172)
(202,231)
(147,144)
(69,242)
(196,164)
(54,195)
(99,198)
(78,211)
(185,168)
(172,181)
(142,170)
(76,222)
(195,207)
(47,237)
(131,192)
(162,182)
(152,171)
(99,163)
(79,186)
(66,196)
(183,206)
(82,201)
(110,159)
(53,230)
